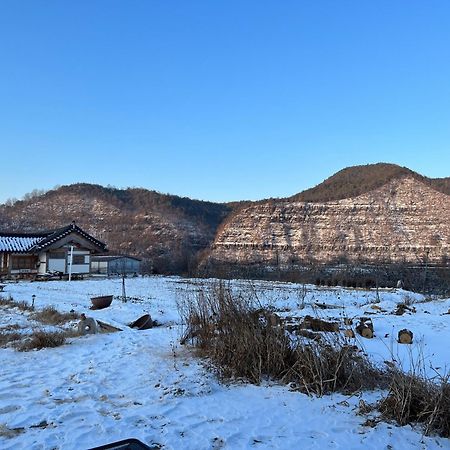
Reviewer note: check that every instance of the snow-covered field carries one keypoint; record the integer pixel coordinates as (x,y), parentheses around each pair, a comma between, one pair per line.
(106,387)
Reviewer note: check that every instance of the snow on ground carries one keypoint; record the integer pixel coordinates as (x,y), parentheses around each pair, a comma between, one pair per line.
(101,388)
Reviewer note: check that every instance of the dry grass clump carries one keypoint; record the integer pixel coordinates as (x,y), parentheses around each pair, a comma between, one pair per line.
(330,365)
(50,316)
(8,337)
(238,337)
(40,339)
(229,330)
(414,399)
(11,303)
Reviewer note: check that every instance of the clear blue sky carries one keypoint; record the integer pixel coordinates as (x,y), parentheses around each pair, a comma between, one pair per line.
(220,100)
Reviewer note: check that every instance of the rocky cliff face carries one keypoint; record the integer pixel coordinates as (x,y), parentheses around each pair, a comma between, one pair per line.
(403,221)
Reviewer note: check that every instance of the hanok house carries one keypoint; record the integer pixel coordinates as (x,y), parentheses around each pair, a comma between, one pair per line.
(67,249)
(110,265)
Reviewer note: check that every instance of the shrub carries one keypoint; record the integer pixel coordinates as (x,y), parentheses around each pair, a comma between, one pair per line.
(413,398)
(232,333)
(329,365)
(238,337)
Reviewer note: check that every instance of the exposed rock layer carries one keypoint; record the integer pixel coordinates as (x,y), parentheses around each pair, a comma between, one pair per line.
(403,221)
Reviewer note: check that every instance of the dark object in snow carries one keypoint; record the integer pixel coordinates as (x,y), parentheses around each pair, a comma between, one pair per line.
(316,324)
(2,286)
(143,323)
(104,327)
(402,308)
(405,336)
(101,302)
(126,444)
(365,328)
(326,306)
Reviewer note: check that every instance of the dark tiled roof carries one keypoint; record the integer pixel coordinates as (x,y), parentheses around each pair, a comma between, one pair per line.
(18,244)
(56,235)
(34,242)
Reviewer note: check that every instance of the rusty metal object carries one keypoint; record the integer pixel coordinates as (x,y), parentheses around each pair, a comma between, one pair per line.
(143,323)
(101,302)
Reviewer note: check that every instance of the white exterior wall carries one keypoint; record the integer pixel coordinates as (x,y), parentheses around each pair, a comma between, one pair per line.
(62,265)
(79,268)
(56,264)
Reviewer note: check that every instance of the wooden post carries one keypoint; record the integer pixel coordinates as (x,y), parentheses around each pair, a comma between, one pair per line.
(124,295)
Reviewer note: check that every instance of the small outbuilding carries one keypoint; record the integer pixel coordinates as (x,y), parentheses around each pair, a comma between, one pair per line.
(64,250)
(109,265)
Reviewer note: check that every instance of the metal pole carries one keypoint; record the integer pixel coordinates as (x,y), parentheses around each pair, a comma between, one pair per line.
(70,262)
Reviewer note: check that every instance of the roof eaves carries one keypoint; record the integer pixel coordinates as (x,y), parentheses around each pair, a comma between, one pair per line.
(62,232)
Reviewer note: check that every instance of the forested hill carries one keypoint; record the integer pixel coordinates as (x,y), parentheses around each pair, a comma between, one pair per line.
(357,180)
(165,230)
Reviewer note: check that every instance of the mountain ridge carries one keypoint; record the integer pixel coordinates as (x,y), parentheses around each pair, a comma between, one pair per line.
(356,180)
(367,177)
(173,233)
